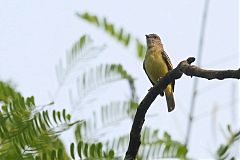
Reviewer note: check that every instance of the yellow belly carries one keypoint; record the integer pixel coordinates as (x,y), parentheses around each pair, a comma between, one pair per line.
(155,66)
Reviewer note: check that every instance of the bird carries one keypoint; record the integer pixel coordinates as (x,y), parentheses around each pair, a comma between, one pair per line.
(156,64)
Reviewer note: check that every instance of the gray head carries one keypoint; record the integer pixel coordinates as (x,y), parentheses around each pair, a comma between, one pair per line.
(152,40)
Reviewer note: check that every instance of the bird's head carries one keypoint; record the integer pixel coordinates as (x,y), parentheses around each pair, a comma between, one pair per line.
(152,40)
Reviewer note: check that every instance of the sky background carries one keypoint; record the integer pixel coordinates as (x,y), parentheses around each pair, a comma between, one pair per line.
(35,35)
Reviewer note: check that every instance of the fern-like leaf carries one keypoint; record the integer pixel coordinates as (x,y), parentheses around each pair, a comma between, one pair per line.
(99,76)
(224,151)
(109,116)
(119,34)
(90,151)
(7,92)
(154,147)
(26,133)
(81,50)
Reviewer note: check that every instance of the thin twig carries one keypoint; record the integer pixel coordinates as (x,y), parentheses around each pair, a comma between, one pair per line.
(183,67)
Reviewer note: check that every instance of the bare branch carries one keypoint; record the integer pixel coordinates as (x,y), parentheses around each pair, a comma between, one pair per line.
(183,67)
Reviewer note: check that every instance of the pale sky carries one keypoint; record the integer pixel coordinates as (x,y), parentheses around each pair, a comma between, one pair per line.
(35,35)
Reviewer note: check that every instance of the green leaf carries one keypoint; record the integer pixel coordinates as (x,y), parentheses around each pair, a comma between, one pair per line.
(119,34)
(17,149)
(72,150)
(102,75)
(68,117)
(88,17)
(79,45)
(46,118)
(222,150)
(99,149)
(85,150)
(54,116)
(64,114)
(92,150)
(59,116)
(53,155)
(79,147)
(42,124)
(111,154)
(60,154)
(44,155)
(36,123)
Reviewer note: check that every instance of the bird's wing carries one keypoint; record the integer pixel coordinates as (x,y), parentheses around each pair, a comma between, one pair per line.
(169,65)
(162,93)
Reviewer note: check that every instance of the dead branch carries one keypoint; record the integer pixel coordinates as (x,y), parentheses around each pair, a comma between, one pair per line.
(183,67)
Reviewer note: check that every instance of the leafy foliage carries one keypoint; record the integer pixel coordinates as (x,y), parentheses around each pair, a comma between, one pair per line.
(155,147)
(83,49)
(90,151)
(152,146)
(119,34)
(57,154)
(25,132)
(108,116)
(79,45)
(90,80)
(118,144)
(103,74)
(7,92)
(224,151)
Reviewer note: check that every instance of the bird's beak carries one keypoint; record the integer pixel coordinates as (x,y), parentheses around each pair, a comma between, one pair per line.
(147,36)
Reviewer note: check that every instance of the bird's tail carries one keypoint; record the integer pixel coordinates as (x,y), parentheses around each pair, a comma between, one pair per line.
(170,99)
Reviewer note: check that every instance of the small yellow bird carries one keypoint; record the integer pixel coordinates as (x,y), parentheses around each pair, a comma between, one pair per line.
(156,64)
